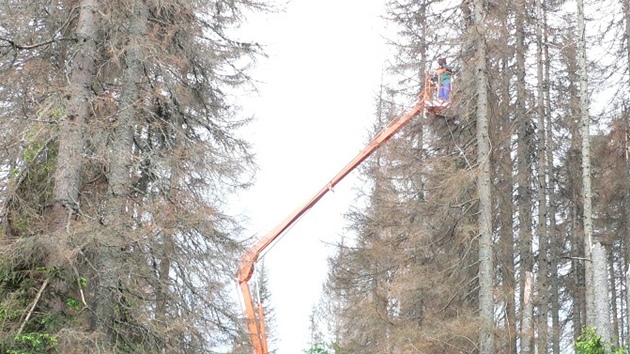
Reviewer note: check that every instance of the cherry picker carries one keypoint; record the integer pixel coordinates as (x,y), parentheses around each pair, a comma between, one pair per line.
(427,103)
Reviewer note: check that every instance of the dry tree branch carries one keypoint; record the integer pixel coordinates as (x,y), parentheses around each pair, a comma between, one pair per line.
(76,271)
(30,312)
(14,44)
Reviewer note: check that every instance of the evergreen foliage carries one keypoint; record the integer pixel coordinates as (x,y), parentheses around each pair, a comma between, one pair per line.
(119,148)
(591,343)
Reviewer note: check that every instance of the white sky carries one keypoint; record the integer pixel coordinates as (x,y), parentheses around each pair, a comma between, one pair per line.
(313,115)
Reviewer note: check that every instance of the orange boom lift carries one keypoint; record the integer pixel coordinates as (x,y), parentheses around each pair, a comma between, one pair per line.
(254,312)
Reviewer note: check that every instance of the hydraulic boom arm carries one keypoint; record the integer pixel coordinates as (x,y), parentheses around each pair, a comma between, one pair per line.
(254,313)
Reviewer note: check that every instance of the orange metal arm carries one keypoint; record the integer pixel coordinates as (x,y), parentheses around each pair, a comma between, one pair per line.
(255,321)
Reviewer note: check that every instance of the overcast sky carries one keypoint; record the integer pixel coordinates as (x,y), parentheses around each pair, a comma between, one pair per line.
(313,115)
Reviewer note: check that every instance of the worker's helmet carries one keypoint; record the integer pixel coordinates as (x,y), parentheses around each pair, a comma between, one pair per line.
(442,61)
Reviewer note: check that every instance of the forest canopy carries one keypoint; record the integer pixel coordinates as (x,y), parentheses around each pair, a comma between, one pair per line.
(496,223)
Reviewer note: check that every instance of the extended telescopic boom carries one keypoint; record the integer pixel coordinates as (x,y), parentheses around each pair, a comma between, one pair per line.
(254,312)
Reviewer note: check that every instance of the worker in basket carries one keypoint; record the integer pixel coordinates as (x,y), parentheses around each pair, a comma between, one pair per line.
(443,79)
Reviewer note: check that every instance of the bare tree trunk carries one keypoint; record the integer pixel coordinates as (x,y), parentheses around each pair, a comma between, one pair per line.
(597,310)
(523,176)
(600,284)
(554,245)
(542,285)
(627,302)
(585,122)
(577,291)
(71,139)
(626,239)
(486,263)
(506,212)
(614,296)
(626,8)
(554,251)
(418,127)
(527,327)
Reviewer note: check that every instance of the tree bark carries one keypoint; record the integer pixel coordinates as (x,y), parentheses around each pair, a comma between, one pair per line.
(614,296)
(554,244)
(627,302)
(586,164)
(117,217)
(600,286)
(486,262)
(527,326)
(542,284)
(506,213)
(577,290)
(626,8)
(626,115)
(523,177)
(71,126)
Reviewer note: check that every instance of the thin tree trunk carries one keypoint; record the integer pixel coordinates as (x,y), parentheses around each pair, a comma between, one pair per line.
(626,239)
(576,287)
(627,310)
(600,284)
(164,279)
(626,8)
(486,266)
(71,139)
(542,284)
(169,225)
(523,176)
(577,265)
(585,122)
(554,251)
(615,335)
(554,245)
(527,327)
(506,212)
(418,128)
